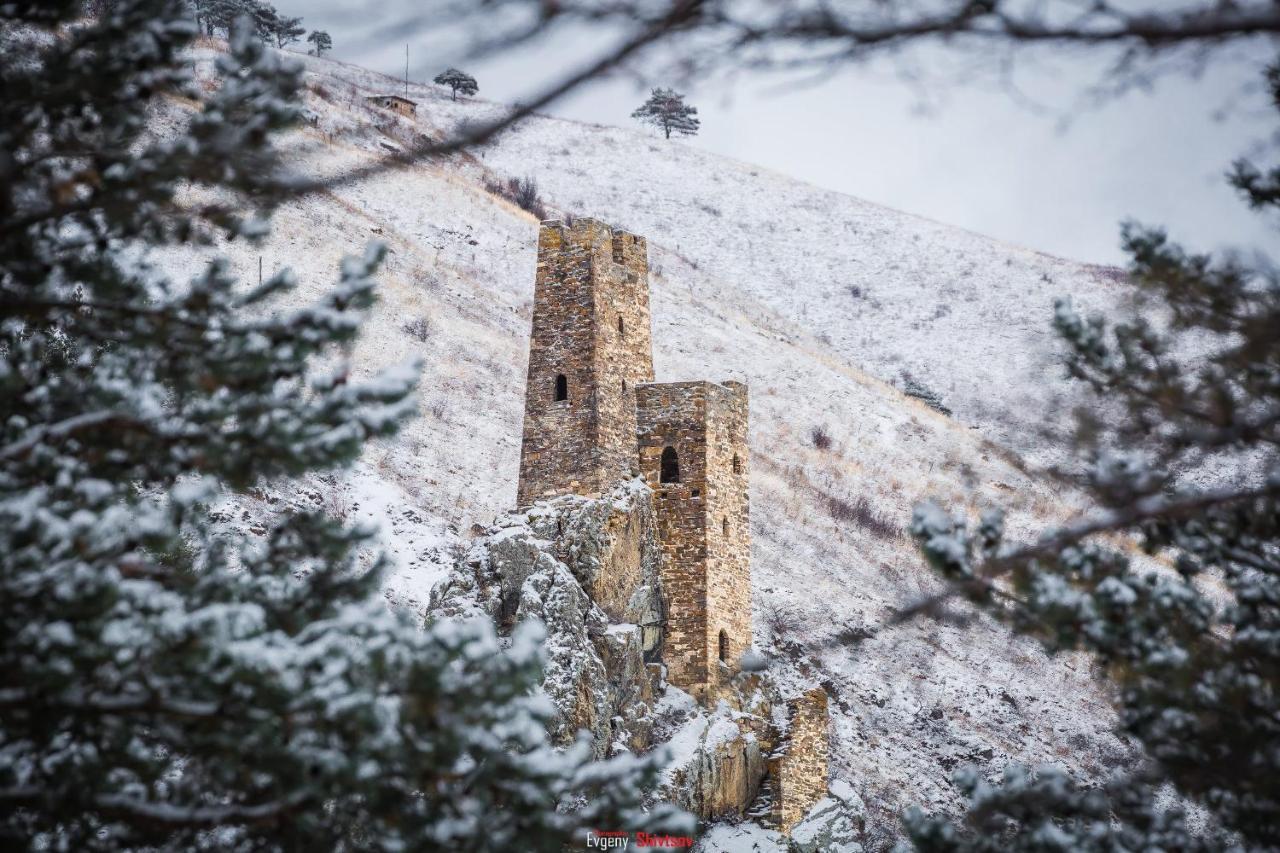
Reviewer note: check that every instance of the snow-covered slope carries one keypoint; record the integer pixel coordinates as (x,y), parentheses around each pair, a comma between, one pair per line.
(751,278)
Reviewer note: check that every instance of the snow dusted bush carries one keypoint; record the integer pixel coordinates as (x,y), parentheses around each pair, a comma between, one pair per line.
(522,192)
(164,682)
(914,388)
(419,328)
(820,437)
(859,511)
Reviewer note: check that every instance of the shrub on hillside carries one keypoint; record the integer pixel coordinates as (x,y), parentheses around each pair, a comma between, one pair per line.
(821,438)
(860,512)
(418,328)
(522,192)
(924,394)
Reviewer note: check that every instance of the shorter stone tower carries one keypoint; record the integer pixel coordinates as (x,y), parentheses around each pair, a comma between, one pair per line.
(693,452)
(590,348)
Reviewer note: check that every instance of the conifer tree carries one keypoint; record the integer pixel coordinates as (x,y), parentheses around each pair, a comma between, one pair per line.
(1181,445)
(166,683)
(457,81)
(320,41)
(667,111)
(287,30)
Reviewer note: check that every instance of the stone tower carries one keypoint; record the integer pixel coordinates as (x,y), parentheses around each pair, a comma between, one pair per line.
(693,452)
(590,348)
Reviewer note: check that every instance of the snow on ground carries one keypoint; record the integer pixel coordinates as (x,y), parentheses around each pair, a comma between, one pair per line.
(892,293)
(743,838)
(750,281)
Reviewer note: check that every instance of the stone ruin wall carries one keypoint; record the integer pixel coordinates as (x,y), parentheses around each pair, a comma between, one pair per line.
(589,280)
(800,769)
(706,573)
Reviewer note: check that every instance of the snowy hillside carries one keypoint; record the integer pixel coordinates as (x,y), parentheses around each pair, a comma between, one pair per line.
(817,301)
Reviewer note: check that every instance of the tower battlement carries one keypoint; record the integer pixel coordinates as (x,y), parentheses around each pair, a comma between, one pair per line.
(587,234)
(590,346)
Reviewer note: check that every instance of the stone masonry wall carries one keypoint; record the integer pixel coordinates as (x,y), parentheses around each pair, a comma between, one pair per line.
(674,415)
(800,769)
(624,350)
(703,522)
(591,325)
(728,529)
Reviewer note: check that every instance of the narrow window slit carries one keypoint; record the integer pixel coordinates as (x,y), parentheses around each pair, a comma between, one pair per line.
(670,468)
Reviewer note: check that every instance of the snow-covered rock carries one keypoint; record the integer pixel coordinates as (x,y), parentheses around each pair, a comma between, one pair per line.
(719,761)
(596,674)
(835,825)
(595,670)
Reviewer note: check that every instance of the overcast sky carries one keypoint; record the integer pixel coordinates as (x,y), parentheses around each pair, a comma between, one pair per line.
(978,157)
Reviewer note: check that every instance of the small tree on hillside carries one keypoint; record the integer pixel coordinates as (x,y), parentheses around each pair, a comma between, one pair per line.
(320,42)
(287,31)
(667,110)
(221,15)
(458,81)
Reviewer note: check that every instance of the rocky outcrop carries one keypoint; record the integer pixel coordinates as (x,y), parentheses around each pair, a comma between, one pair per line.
(717,765)
(611,547)
(720,759)
(549,563)
(588,569)
(834,825)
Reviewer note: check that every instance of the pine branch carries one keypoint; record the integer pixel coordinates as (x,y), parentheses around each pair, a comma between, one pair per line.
(68,427)
(173,816)
(1149,509)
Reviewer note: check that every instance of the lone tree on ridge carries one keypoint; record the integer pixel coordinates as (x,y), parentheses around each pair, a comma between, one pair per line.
(458,81)
(667,110)
(320,41)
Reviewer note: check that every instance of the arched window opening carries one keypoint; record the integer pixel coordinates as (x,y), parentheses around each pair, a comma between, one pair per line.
(737,464)
(622,328)
(562,388)
(724,647)
(724,526)
(670,472)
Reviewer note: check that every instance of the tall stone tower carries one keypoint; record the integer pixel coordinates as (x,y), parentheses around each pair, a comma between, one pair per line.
(693,452)
(590,347)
